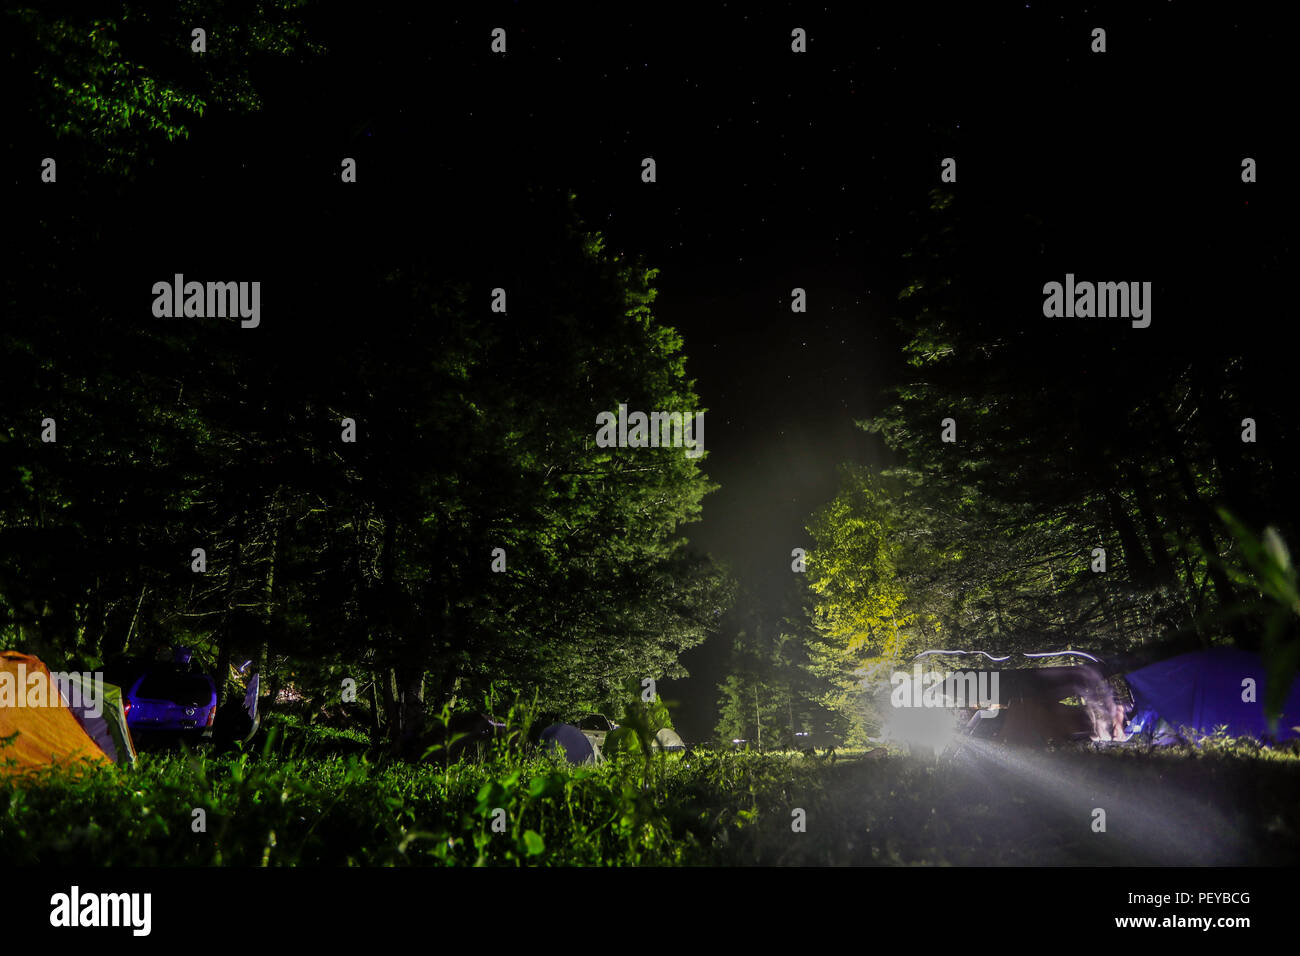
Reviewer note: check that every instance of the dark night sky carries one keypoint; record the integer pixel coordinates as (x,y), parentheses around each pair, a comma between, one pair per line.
(778,170)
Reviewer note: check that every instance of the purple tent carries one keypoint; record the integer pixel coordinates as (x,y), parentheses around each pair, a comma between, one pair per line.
(577,748)
(1203,690)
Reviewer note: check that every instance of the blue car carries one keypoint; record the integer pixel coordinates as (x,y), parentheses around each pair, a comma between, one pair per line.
(170,701)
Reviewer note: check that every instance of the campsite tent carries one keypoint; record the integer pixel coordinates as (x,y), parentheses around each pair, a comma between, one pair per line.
(668,739)
(45,734)
(108,730)
(625,740)
(622,740)
(572,741)
(1203,690)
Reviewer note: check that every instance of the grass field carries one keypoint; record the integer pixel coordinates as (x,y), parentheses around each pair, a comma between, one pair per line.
(314,798)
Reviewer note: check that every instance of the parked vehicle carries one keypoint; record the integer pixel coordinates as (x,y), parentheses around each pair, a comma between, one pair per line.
(167,701)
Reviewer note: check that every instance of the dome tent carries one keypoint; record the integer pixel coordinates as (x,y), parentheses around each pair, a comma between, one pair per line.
(46,734)
(625,740)
(108,730)
(569,741)
(1203,690)
(650,718)
(622,740)
(668,739)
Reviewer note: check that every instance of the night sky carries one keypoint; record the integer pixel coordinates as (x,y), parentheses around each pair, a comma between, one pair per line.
(778,170)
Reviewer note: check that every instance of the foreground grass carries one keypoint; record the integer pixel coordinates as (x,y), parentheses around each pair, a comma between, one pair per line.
(308,804)
(305,808)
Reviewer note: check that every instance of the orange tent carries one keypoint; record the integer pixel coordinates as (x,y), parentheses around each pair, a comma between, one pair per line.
(46,735)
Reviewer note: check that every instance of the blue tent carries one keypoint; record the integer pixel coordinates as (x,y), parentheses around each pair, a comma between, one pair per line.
(572,741)
(1203,690)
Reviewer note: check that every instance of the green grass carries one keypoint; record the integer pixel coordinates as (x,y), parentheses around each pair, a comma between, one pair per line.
(297,801)
(293,804)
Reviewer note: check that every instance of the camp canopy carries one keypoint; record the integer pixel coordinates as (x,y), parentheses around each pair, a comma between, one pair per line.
(43,735)
(1203,690)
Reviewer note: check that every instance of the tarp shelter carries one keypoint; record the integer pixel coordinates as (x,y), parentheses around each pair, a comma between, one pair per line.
(577,748)
(1203,690)
(43,735)
(109,730)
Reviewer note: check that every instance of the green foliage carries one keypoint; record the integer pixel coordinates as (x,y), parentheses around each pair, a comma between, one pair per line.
(1269,573)
(853,570)
(987,542)
(264,809)
(370,561)
(90,91)
(623,739)
(754,709)
(776,686)
(117,83)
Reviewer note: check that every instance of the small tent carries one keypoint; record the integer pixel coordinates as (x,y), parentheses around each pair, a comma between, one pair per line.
(44,731)
(1204,689)
(622,740)
(668,739)
(572,741)
(625,740)
(108,730)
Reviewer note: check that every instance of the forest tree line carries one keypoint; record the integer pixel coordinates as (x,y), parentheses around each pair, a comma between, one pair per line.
(1098,492)
(389,479)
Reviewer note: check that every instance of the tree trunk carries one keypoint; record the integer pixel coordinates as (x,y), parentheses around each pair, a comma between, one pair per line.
(267,703)
(1222,433)
(135,616)
(376,713)
(1197,510)
(411,687)
(92,636)
(1164,567)
(1165,572)
(392,709)
(1140,569)
(224,653)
